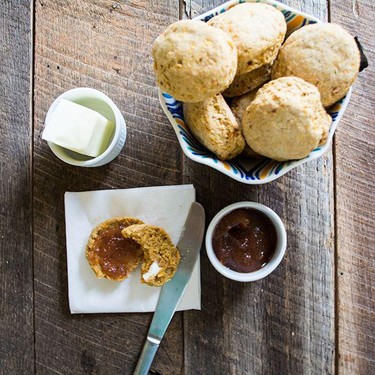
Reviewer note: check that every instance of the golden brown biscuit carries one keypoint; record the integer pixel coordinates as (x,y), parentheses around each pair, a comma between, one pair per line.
(323,54)
(286,119)
(214,125)
(257,30)
(238,107)
(109,254)
(248,81)
(239,104)
(193,61)
(161,257)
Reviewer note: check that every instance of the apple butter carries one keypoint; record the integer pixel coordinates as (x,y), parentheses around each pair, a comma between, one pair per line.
(117,255)
(244,240)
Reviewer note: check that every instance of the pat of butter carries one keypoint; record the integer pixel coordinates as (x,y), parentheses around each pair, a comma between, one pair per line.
(78,129)
(152,272)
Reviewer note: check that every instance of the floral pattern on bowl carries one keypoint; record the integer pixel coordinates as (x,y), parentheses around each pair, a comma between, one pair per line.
(250,171)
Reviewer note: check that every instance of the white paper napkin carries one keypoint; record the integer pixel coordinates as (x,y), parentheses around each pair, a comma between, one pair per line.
(165,206)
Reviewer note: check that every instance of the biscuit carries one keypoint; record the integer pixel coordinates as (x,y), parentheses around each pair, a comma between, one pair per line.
(286,119)
(239,104)
(323,54)
(257,30)
(161,257)
(214,125)
(248,81)
(109,254)
(193,61)
(238,107)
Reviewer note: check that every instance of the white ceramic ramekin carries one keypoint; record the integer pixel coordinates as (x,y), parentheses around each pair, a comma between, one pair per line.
(274,261)
(101,103)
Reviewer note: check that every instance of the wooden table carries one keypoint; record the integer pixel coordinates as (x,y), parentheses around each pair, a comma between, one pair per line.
(313,315)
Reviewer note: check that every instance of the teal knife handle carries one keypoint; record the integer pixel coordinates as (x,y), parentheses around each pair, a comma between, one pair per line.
(146,358)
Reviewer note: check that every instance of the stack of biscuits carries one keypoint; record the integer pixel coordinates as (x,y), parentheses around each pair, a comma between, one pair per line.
(247,91)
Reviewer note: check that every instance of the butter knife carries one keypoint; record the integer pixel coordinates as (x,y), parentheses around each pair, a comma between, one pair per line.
(189,245)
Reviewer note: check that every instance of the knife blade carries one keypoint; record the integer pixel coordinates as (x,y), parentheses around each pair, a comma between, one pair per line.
(189,245)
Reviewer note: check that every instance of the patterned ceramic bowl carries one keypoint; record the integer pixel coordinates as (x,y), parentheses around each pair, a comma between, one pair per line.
(248,170)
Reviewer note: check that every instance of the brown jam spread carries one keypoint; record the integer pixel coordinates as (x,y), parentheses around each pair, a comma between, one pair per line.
(117,255)
(244,240)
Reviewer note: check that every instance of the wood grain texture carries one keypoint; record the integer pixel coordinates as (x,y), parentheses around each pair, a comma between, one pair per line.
(283,324)
(355,190)
(105,45)
(16,265)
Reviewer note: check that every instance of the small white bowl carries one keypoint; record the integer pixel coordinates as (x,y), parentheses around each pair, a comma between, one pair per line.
(273,262)
(102,104)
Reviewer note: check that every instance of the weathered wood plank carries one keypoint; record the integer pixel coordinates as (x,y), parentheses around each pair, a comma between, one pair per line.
(105,45)
(355,190)
(284,323)
(16,259)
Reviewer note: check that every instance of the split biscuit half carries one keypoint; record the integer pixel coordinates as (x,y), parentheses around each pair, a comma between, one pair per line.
(161,257)
(109,254)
